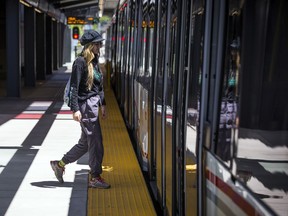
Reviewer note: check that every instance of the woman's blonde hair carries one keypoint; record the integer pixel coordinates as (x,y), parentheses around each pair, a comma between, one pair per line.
(89,56)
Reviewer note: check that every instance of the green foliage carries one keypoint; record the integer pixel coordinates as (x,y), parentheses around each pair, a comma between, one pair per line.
(105,19)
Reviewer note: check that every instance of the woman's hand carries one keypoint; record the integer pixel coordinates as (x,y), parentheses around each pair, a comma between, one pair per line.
(103,111)
(77,116)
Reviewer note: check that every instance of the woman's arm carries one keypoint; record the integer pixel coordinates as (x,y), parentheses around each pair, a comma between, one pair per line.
(77,71)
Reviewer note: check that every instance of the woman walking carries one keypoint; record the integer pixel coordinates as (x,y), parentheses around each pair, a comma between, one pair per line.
(86,97)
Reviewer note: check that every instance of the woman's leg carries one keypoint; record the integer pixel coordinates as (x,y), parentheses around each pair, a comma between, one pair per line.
(96,150)
(77,150)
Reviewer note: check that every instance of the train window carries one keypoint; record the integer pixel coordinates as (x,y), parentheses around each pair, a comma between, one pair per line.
(148,67)
(168,93)
(172,41)
(171,70)
(253,129)
(230,87)
(123,38)
(162,38)
(143,39)
(143,50)
(117,42)
(194,47)
(132,35)
(120,33)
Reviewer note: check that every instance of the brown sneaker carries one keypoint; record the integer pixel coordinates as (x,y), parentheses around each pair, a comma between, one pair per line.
(98,182)
(58,171)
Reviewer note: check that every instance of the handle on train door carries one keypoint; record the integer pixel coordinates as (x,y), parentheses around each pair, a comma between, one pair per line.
(207,135)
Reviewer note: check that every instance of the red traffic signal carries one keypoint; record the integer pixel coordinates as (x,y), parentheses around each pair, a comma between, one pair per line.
(75,33)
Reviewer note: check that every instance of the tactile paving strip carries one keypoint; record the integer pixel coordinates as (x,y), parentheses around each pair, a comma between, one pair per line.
(128,194)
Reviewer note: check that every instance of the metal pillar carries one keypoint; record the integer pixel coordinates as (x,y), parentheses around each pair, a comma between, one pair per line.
(55,46)
(61,30)
(41,46)
(29,47)
(67,45)
(13,84)
(49,48)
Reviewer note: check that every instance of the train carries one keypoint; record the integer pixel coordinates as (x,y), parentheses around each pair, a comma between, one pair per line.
(202,86)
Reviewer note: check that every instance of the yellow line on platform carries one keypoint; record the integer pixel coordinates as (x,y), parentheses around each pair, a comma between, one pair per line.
(128,194)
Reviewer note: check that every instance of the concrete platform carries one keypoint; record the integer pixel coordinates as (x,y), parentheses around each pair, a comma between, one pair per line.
(37,128)
(33,131)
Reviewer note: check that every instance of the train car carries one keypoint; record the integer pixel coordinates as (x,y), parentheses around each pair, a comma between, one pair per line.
(202,85)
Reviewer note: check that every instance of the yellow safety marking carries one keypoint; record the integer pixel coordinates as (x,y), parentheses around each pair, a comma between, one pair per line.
(128,194)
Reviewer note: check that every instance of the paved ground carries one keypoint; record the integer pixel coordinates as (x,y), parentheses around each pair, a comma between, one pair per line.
(34,130)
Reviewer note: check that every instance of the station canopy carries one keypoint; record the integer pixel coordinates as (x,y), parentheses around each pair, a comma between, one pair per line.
(75,11)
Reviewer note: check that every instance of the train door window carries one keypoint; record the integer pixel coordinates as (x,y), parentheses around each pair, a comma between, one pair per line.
(150,55)
(117,40)
(169,96)
(123,38)
(230,87)
(114,46)
(162,39)
(196,23)
(172,52)
(128,39)
(143,38)
(133,26)
(253,128)
(119,36)
(173,37)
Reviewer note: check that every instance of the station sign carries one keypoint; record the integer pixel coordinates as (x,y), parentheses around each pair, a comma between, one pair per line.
(76,21)
(81,20)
